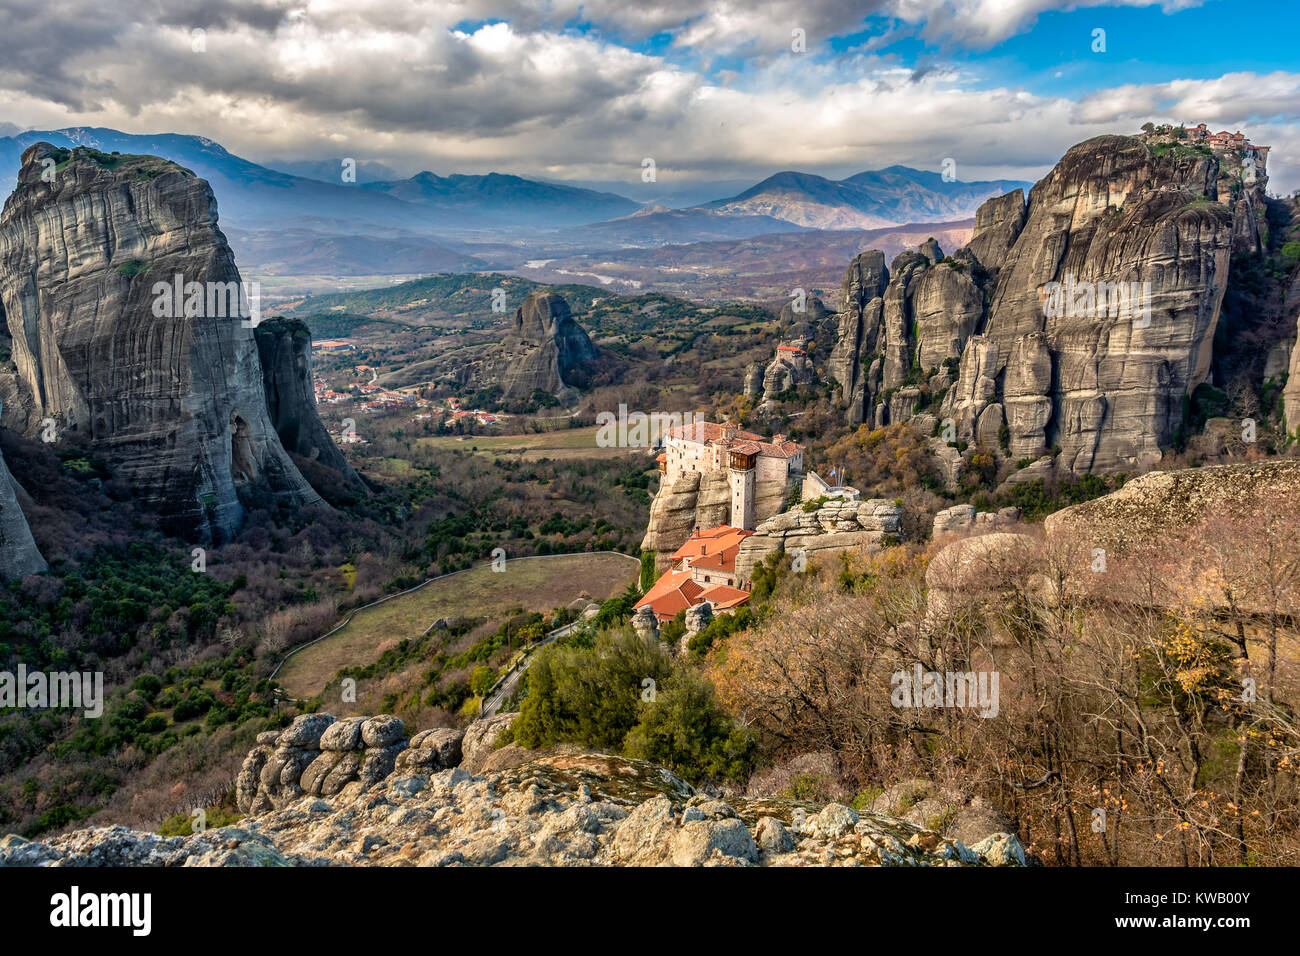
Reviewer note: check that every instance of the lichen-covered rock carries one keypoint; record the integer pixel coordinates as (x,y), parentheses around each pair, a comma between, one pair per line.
(645,623)
(383,730)
(772,836)
(565,809)
(344,734)
(306,731)
(431,751)
(317,755)
(1000,849)
(698,617)
(480,739)
(121,846)
(378,762)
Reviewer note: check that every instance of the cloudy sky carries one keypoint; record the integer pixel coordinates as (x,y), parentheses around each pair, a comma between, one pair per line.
(719,90)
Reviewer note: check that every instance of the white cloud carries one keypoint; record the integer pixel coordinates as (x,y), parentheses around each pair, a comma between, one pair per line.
(410,86)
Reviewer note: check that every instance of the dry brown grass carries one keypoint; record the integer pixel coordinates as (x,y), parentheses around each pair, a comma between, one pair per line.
(535,584)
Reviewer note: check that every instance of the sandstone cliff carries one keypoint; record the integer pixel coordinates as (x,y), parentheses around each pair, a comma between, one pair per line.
(1291,392)
(284,348)
(171,399)
(976,334)
(698,500)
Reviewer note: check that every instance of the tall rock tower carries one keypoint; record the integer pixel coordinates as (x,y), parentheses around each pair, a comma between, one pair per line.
(172,401)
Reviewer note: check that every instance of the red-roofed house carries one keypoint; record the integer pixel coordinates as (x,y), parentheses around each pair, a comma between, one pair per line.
(711,554)
(704,569)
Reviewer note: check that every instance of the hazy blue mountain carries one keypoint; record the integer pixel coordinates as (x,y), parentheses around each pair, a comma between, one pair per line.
(331,170)
(246,192)
(668,190)
(658,225)
(252,195)
(867,200)
(497,197)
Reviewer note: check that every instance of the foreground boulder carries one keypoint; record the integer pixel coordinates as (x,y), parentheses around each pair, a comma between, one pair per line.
(319,755)
(1163,504)
(1182,531)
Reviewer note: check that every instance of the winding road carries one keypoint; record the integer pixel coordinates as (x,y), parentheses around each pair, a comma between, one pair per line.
(501,693)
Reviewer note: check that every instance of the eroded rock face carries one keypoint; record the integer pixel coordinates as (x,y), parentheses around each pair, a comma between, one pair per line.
(1102,378)
(174,405)
(545,350)
(702,500)
(1109,388)
(284,348)
(1291,394)
(569,809)
(861,310)
(997,226)
(318,755)
(18,552)
(481,739)
(837,525)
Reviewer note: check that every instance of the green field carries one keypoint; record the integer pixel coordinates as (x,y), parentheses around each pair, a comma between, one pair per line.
(535,584)
(568,443)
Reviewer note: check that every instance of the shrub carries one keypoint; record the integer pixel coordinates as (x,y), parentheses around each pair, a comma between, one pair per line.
(685,730)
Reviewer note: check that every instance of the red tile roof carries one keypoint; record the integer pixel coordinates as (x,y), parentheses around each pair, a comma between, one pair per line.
(706,432)
(713,549)
(674,591)
(710,431)
(723,597)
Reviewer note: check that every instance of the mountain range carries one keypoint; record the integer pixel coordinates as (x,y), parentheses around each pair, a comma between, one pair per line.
(302,221)
(870,200)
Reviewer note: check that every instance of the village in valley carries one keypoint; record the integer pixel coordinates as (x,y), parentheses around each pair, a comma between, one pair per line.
(356,389)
